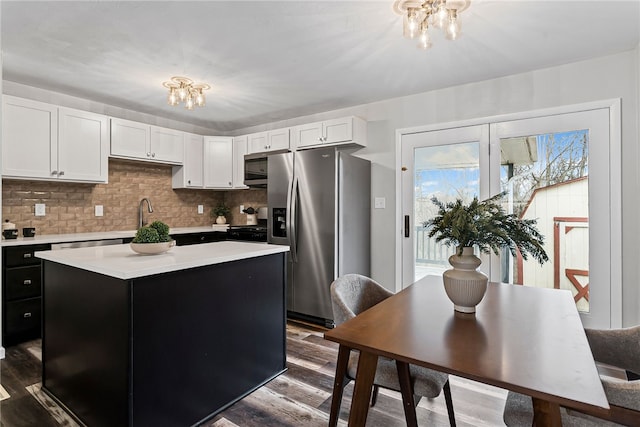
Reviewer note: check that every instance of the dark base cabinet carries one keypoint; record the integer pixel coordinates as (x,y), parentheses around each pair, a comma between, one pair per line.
(165,350)
(21,290)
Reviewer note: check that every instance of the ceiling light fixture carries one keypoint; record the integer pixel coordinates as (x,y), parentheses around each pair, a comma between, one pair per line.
(419,16)
(182,89)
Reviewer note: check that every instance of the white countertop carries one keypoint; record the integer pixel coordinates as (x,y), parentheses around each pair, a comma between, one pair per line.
(121,262)
(103,235)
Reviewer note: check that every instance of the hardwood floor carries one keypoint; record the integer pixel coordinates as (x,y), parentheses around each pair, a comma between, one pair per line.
(299,397)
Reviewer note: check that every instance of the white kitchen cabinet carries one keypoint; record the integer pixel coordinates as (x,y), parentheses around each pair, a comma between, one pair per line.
(167,145)
(239,150)
(273,140)
(347,130)
(139,141)
(218,162)
(190,174)
(45,142)
(83,146)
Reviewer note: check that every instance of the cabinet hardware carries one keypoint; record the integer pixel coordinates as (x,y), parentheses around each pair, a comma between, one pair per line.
(26,255)
(60,173)
(189,182)
(27,282)
(54,172)
(153,154)
(27,315)
(149,154)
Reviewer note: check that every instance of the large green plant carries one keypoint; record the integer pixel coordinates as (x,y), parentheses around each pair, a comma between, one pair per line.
(485,224)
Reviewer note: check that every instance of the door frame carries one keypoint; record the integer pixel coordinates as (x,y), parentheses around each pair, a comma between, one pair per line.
(615,183)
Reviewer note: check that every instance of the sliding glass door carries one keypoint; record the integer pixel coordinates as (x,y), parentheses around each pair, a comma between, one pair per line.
(555,169)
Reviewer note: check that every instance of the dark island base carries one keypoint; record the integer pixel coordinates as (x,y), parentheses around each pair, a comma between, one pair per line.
(166,350)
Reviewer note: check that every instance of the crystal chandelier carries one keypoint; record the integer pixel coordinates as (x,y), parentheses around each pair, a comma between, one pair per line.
(420,16)
(182,89)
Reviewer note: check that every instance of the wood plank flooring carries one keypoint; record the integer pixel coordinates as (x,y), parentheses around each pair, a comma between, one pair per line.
(299,397)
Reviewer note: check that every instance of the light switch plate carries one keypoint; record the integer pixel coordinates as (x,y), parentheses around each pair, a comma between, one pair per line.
(200,209)
(99,210)
(380,203)
(241,208)
(40,209)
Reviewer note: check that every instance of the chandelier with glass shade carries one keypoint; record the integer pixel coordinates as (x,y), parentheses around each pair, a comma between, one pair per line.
(182,89)
(420,16)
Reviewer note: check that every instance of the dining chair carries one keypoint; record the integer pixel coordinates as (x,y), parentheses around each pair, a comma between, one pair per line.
(615,350)
(352,294)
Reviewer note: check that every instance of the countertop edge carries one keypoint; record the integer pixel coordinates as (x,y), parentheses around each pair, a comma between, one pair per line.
(120,262)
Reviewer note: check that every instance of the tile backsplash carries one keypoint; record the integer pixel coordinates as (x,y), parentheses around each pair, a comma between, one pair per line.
(70,207)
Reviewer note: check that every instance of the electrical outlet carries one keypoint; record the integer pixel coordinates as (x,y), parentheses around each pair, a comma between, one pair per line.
(241,208)
(40,209)
(379,203)
(200,209)
(99,210)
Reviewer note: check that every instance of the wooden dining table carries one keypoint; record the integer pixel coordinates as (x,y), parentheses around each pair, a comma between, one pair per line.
(525,339)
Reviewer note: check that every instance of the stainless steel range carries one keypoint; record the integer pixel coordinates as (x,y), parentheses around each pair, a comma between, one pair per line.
(249,233)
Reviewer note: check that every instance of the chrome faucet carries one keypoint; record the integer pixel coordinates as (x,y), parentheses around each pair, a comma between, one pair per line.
(140,222)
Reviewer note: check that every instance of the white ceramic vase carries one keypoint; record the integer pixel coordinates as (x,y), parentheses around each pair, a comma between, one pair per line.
(221,220)
(464,284)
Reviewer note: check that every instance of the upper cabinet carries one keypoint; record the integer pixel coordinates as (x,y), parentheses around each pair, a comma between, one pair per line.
(190,174)
(218,162)
(45,142)
(273,140)
(348,130)
(239,150)
(139,141)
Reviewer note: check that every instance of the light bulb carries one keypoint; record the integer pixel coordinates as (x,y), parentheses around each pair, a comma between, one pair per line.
(182,92)
(188,104)
(410,25)
(172,99)
(453,29)
(440,17)
(424,42)
(200,98)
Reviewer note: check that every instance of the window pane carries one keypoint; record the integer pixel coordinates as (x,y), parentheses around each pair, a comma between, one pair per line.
(447,172)
(546,178)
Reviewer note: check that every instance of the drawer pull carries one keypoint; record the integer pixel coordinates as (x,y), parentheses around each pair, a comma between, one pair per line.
(27,315)
(27,255)
(27,282)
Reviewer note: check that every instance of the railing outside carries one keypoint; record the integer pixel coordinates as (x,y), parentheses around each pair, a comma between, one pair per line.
(430,252)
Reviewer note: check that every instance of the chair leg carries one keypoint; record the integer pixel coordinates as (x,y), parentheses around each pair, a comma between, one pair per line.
(447,397)
(374,395)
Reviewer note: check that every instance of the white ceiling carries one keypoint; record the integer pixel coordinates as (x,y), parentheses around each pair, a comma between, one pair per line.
(274,60)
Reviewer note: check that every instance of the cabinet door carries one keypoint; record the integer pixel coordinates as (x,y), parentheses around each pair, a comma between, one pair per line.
(307,135)
(338,130)
(83,146)
(167,145)
(239,150)
(258,142)
(129,139)
(218,160)
(278,139)
(29,138)
(193,160)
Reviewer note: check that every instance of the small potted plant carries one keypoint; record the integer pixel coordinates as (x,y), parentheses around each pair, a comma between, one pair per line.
(152,239)
(484,224)
(219,212)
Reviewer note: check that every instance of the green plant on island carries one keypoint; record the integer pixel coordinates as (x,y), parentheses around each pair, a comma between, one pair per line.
(485,224)
(156,232)
(220,210)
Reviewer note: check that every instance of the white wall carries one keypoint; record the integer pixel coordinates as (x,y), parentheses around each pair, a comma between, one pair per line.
(614,76)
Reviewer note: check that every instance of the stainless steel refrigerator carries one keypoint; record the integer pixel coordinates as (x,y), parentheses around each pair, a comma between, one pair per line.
(319,204)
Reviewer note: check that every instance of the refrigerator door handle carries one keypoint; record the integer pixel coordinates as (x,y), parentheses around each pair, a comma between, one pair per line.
(292,202)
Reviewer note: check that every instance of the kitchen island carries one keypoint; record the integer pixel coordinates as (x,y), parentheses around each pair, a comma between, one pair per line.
(162,340)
